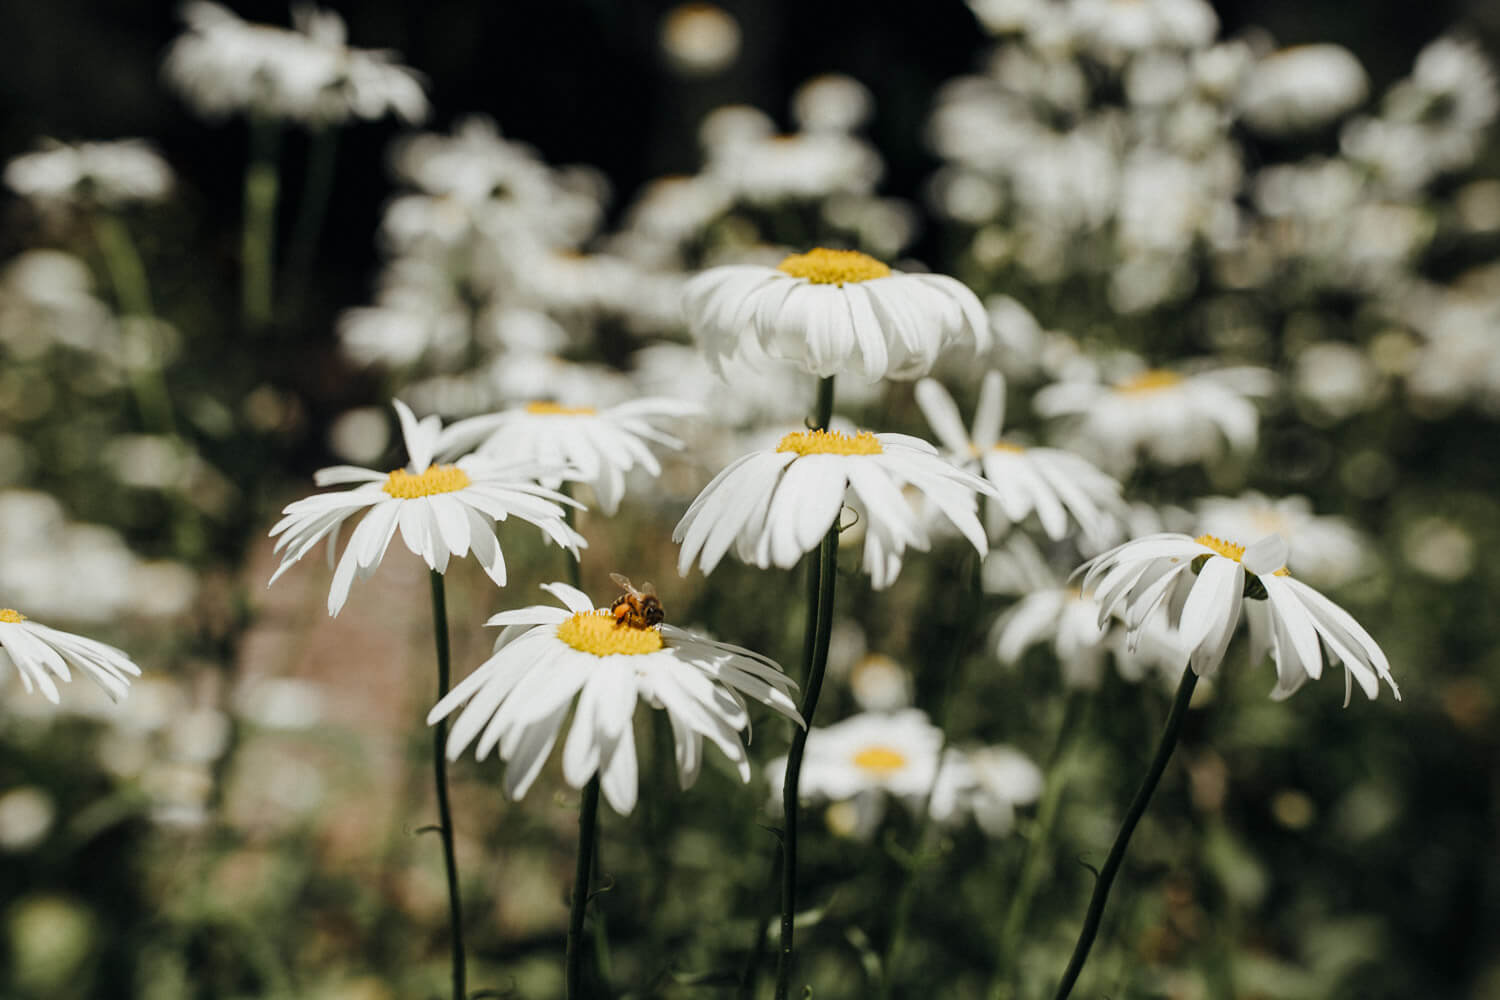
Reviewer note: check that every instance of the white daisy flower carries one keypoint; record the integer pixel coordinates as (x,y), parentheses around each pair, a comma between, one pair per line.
(892,753)
(40,653)
(104,173)
(1176,418)
(1302,89)
(775,505)
(1205,581)
(1048,482)
(833,312)
(1325,550)
(518,698)
(441,510)
(602,446)
(987,783)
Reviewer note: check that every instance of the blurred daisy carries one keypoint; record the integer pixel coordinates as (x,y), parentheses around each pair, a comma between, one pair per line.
(1204,583)
(1302,89)
(441,510)
(804,166)
(1049,482)
(518,698)
(1326,550)
(775,505)
(833,312)
(40,653)
(1174,417)
(600,445)
(102,173)
(987,783)
(873,752)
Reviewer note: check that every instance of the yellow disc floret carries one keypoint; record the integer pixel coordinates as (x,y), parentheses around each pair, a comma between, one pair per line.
(555,410)
(1153,380)
(597,632)
(830,443)
(11,617)
(833,267)
(437,479)
(1229,550)
(880,760)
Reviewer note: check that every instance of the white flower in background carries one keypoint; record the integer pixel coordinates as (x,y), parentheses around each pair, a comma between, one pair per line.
(1005,17)
(832,103)
(987,783)
(441,511)
(879,683)
(732,124)
(671,211)
(874,752)
(803,166)
(103,173)
(1302,89)
(775,505)
(601,446)
(518,698)
(40,653)
(1115,29)
(833,312)
(1174,417)
(47,299)
(1326,550)
(1205,582)
(699,39)
(223,65)
(1047,482)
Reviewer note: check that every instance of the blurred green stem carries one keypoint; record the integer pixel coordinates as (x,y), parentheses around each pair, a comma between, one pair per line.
(440,769)
(1164,748)
(127,275)
(312,209)
(258,238)
(820,625)
(588,818)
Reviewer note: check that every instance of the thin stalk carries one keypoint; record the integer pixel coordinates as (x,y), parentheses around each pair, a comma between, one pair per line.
(312,209)
(258,238)
(827,559)
(750,975)
(440,772)
(127,275)
(1164,748)
(588,818)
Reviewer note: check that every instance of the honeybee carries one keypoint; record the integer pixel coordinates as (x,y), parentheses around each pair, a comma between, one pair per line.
(636,608)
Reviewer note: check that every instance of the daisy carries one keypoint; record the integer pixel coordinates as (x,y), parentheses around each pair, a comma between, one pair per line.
(873,752)
(104,173)
(1302,89)
(1048,482)
(1326,550)
(601,445)
(987,782)
(38,651)
(775,505)
(442,511)
(1204,583)
(518,698)
(831,312)
(1175,417)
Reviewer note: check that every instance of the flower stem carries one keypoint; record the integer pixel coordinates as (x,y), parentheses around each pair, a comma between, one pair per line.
(127,275)
(312,208)
(258,238)
(440,770)
(1164,748)
(588,818)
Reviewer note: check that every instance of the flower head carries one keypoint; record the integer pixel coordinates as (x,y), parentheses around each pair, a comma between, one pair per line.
(1204,583)
(441,510)
(775,505)
(518,698)
(106,173)
(40,653)
(833,312)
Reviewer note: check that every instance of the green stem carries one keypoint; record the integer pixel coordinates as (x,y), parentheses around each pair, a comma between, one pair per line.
(1164,748)
(588,819)
(127,275)
(258,239)
(312,209)
(750,975)
(440,771)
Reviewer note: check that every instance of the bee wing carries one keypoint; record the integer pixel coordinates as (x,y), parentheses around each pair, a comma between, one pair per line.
(623,582)
(648,589)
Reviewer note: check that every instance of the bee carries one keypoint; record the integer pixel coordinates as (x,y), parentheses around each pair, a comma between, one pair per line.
(636,608)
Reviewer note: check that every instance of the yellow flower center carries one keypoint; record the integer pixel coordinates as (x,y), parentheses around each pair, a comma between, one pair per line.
(437,479)
(554,410)
(830,443)
(1007,446)
(880,760)
(1154,380)
(833,267)
(597,632)
(11,617)
(1229,550)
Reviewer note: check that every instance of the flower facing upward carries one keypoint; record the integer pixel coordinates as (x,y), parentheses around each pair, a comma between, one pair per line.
(518,698)
(40,653)
(602,445)
(441,510)
(1049,482)
(833,312)
(776,505)
(1205,581)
